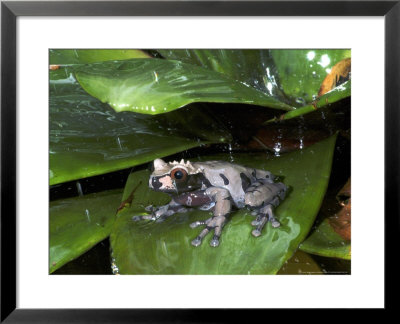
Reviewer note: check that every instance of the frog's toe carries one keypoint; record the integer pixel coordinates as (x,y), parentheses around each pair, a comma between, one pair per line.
(275,223)
(258,220)
(149,208)
(215,241)
(143,217)
(259,223)
(196,241)
(196,224)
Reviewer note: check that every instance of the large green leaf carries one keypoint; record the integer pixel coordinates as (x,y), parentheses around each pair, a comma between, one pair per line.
(77,224)
(79,56)
(154,86)
(325,241)
(254,67)
(291,76)
(301,71)
(89,138)
(164,248)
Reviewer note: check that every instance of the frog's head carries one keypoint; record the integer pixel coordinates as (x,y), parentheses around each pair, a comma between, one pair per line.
(175,177)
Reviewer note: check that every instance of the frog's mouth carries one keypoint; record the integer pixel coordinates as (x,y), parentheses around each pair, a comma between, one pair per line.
(162,183)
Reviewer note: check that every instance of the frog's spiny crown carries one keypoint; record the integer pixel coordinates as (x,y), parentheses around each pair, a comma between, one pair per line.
(186,165)
(161,167)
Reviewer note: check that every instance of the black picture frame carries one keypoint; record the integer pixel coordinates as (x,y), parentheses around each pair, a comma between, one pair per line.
(10,10)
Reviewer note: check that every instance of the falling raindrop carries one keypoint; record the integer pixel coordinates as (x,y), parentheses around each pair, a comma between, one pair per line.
(79,188)
(119,143)
(87,215)
(231,159)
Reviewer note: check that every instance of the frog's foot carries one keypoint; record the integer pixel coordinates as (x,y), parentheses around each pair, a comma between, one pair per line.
(159,214)
(265,214)
(143,217)
(215,223)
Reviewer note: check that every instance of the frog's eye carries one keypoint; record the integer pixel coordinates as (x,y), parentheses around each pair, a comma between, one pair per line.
(178,174)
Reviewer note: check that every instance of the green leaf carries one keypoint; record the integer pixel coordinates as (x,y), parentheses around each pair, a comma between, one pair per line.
(299,264)
(88,138)
(326,242)
(291,76)
(82,56)
(77,224)
(164,248)
(340,92)
(254,67)
(302,71)
(154,86)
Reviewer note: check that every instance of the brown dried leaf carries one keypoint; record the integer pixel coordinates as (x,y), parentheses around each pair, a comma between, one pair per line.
(339,74)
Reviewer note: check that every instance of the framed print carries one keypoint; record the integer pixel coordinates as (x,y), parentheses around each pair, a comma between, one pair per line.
(184,154)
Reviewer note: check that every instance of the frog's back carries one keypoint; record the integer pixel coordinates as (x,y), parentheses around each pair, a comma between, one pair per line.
(230,170)
(233,177)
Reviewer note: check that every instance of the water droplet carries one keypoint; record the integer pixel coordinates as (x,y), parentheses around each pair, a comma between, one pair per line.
(269,87)
(310,55)
(87,215)
(231,159)
(277,148)
(114,267)
(325,60)
(79,188)
(119,143)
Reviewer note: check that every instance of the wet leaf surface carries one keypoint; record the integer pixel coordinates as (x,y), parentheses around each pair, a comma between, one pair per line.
(154,86)
(325,241)
(89,138)
(164,248)
(295,77)
(82,56)
(302,71)
(325,102)
(300,263)
(254,67)
(77,224)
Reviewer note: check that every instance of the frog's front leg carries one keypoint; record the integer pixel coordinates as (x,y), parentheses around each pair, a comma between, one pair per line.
(162,212)
(222,208)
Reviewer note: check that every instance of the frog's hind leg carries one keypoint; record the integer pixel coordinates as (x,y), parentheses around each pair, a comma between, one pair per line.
(265,214)
(262,197)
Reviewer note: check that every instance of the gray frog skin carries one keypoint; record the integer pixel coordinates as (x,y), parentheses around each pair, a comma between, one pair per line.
(217,186)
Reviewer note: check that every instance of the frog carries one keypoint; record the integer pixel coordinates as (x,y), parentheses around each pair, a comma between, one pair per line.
(216,186)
